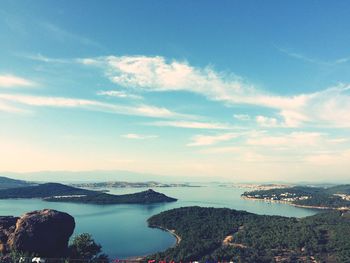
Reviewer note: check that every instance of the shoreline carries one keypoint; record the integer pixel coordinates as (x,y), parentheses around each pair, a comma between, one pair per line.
(296,205)
(172,232)
(141,258)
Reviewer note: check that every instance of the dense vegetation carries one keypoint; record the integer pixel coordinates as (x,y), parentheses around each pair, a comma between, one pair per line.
(83,248)
(144,197)
(42,191)
(55,192)
(254,238)
(307,196)
(6,183)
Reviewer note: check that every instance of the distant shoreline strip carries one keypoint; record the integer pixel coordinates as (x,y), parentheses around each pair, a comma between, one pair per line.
(296,205)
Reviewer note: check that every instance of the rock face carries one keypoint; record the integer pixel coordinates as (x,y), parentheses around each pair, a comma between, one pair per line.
(7,227)
(45,233)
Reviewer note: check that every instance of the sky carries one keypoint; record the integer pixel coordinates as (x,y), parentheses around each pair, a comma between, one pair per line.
(241,90)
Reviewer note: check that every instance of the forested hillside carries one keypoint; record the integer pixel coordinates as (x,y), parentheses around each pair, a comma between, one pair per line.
(230,235)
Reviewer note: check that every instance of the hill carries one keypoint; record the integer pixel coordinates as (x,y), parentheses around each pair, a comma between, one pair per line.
(144,197)
(6,183)
(56,192)
(335,197)
(339,189)
(221,234)
(43,191)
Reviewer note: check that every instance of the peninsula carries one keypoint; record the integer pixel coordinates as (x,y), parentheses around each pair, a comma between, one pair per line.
(224,235)
(335,197)
(55,192)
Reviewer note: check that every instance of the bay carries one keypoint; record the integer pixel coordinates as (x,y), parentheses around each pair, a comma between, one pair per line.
(122,229)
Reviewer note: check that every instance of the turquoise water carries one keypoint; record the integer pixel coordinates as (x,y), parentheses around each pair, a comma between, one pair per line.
(122,229)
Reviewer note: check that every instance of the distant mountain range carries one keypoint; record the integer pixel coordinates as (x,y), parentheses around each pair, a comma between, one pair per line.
(6,182)
(123,184)
(56,192)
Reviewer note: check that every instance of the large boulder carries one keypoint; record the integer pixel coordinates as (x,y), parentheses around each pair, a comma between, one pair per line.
(7,227)
(45,233)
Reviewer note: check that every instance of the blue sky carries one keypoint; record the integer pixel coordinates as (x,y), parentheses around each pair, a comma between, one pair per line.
(242,90)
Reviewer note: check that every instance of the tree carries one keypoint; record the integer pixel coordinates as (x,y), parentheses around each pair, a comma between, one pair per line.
(84,247)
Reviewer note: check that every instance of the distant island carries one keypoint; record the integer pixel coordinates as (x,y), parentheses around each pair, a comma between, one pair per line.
(123,184)
(55,192)
(221,234)
(256,186)
(6,183)
(335,197)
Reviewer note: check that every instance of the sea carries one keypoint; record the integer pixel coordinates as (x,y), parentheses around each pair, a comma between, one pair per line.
(122,230)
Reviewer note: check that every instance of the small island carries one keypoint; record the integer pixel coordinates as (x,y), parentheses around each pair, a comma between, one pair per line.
(55,192)
(224,235)
(335,197)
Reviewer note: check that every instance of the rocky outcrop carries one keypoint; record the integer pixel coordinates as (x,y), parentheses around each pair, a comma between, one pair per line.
(45,233)
(7,227)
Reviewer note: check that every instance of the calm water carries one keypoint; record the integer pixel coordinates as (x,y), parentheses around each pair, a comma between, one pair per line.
(122,229)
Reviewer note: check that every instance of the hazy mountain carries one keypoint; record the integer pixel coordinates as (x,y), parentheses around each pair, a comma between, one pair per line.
(6,182)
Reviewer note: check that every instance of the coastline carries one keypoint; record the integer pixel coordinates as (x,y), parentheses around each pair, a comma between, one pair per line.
(141,258)
(171,231)
(296,205)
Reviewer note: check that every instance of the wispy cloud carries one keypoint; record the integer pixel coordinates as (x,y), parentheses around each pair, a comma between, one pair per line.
(156,74)
(241,117)
(308,59)
(118,94)
(61,102)
(9,81)
(329,159)
(64,35)
(134,136)
(302,57)
(42,58)
(307,149)
(5,107)
(205,140)
(342,60)
(193,125)
(292,140)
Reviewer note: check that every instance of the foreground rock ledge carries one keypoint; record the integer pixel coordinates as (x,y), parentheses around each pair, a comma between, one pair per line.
(43,232)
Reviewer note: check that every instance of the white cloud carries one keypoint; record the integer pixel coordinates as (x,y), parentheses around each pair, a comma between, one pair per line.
(205,140)
(139,110)
(134,136)
(193,125)
(266,121)
(118,94)
(9,81)
(328,107)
